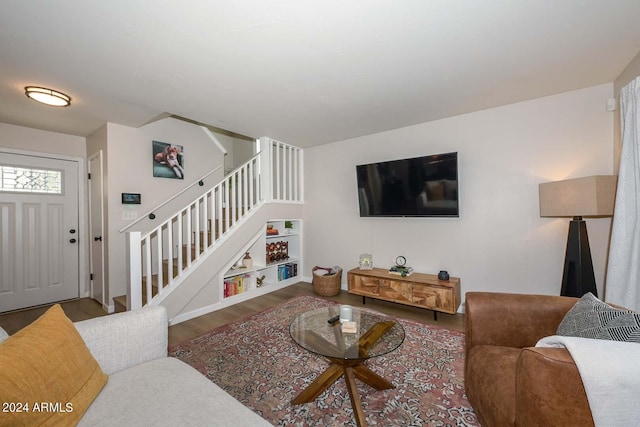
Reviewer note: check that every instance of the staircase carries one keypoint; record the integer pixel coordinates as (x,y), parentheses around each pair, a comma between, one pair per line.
(160,261)
(188,254)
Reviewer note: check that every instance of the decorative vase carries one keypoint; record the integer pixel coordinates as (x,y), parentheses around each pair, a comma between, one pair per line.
(247,261)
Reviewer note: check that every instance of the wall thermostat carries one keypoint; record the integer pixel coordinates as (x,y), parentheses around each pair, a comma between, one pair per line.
(131,198)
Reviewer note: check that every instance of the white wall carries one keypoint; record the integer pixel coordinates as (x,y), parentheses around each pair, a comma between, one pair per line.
(499,242)
(239,150)
(130,170)
(243,150)
(28,139)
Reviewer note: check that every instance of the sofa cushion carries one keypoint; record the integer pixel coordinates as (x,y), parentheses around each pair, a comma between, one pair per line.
(166,392)
(549,390)
(491,383)
(3,335)
(47,361)
(592,318)
(122,340)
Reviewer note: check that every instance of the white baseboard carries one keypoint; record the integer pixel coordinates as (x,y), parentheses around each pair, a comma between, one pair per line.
(228,302)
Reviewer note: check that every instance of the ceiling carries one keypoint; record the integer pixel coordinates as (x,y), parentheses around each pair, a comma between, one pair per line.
(302,72)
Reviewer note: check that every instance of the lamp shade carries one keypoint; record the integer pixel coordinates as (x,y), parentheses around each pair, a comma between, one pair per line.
(591,196)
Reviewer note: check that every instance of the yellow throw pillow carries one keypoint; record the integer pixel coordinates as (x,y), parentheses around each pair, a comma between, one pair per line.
(47,374)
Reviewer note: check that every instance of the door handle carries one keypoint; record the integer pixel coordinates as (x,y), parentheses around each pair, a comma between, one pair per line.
(72,241)
(97,239)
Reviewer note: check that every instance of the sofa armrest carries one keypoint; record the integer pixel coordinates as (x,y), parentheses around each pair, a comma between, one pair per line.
(512,320)
(122,340)
(549,390)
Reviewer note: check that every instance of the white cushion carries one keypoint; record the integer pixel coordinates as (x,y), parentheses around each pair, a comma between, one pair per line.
(166,392)
(122,340)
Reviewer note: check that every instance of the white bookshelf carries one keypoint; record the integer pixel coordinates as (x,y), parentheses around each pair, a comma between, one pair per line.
(279,271)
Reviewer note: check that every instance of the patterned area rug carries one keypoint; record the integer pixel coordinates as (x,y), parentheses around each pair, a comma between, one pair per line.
(256,361)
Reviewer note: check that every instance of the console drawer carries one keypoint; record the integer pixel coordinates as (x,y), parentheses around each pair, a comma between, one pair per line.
(434,297)
(364,285)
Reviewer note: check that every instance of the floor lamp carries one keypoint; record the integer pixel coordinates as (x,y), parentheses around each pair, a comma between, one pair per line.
(592,197)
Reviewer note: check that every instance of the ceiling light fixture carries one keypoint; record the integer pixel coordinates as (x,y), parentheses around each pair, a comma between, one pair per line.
(47,96)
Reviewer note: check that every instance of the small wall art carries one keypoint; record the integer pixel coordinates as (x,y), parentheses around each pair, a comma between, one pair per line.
(168,160)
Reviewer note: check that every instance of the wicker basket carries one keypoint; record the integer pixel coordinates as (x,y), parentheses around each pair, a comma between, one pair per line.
(327,286)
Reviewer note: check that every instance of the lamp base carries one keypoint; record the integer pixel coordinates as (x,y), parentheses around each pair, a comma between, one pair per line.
(578,277)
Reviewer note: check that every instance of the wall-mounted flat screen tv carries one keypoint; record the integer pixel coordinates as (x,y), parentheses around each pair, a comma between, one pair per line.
(419,186)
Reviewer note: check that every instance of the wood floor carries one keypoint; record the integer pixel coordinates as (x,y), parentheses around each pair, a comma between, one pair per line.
(192,328)
(76,310)
(86,308)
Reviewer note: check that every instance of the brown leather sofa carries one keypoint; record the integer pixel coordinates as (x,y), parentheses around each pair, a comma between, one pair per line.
(508,381)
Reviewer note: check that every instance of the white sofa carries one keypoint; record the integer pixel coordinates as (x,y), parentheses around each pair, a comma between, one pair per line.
(147,388)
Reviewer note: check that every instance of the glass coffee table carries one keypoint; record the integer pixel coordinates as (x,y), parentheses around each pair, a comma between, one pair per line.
(376,334)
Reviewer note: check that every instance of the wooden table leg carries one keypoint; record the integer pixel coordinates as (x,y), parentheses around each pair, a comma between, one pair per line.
(356,404)
(351,369)
(367,376)
(320,384)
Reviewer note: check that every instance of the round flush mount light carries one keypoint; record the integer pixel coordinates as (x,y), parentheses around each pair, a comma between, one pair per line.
(47,96)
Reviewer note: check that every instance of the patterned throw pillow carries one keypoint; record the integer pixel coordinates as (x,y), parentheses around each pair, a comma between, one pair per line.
(592,318)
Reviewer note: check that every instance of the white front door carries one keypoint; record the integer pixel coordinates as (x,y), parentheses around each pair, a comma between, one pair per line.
(38,230)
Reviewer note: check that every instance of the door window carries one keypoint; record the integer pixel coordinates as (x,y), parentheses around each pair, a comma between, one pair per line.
(28,180)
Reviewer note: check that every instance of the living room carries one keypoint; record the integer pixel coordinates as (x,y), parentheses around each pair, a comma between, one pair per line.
(498,243)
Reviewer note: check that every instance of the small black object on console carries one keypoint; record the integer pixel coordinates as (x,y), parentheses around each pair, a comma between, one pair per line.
(443,275)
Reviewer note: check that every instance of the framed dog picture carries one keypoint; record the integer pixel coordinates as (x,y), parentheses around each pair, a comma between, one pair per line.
(168,160)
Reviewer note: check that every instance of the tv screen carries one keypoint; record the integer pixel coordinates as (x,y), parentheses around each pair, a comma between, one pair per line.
(420,186)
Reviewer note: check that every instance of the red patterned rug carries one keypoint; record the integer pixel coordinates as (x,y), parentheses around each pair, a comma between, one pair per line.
(256,361)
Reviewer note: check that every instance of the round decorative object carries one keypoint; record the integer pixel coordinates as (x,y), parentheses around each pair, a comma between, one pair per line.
(443,275)
(366,262)
(401,261)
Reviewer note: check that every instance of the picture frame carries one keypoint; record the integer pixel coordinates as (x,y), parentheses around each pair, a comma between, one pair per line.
(168,160)
(366,262)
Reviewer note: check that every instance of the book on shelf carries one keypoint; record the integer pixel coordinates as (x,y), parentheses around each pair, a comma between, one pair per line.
(288,270)
(400,270)
(236,285)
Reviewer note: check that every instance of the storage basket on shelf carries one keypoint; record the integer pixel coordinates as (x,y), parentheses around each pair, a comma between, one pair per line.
(329,284)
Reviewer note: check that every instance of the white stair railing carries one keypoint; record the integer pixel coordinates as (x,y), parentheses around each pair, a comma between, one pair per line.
(160,260)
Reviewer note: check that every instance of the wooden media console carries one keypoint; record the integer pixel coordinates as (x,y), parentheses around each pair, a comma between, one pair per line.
(417,289)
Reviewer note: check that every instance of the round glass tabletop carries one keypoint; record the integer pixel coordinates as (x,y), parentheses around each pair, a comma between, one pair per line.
(375,333)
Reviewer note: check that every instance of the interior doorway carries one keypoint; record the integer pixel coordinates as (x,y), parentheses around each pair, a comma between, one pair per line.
(96,230)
